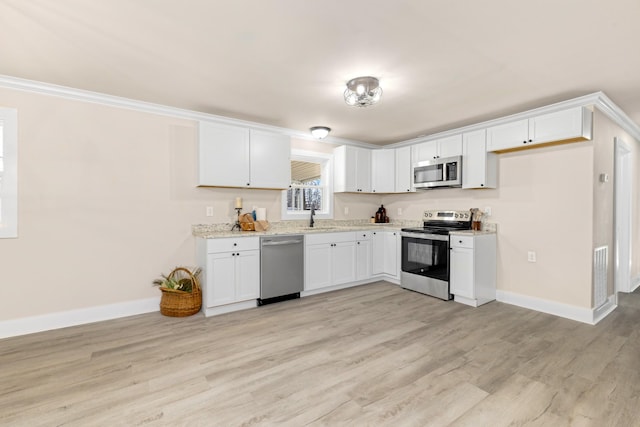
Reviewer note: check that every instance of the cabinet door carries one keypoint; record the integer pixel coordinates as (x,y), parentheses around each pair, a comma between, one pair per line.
(383,171)
(561,125)
(344,169)
(391,253)
(223,155)
(377,253)
(270,160)
(450,146)
(317,266)
(462,272)
(363,259)
(343,262)
(247,275)
(404,172)
(479,168)
(221,277)
(508,135)
(424,151)
(363,170)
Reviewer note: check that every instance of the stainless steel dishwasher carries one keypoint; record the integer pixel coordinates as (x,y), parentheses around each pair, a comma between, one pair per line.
(281,268)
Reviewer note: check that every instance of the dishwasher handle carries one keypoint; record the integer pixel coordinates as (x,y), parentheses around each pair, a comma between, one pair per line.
(281,242)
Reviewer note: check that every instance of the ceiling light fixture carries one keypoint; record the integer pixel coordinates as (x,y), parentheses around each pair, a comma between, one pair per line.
(320,132)
(362,91)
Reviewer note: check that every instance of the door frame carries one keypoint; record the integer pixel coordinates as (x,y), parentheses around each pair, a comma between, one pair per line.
(622,216)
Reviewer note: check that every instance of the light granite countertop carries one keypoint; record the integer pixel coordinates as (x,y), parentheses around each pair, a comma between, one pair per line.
(216,231)
(472,232)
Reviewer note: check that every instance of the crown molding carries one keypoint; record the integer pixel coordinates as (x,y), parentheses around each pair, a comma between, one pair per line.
(9,82)
(597,99)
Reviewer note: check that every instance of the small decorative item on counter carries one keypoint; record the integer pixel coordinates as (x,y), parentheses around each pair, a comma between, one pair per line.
(247,223)
(476,219)
(372,220)
(238,208)
(181,292)
(381,215)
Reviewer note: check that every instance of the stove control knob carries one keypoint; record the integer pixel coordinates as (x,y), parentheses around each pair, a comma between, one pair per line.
(457,215)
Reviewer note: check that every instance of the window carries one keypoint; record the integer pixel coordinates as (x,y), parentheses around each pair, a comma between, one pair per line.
(8,173)
(311,185)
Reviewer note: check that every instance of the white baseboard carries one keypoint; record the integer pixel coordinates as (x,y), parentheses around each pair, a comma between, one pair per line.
(604,310)
(584,315)
(229,308)
(635,283)
(64,319)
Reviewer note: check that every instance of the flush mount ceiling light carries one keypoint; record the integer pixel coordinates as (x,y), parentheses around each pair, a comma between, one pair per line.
(320,132)
(362,91)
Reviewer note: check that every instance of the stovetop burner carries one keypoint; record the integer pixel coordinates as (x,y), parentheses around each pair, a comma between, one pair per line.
(442,222)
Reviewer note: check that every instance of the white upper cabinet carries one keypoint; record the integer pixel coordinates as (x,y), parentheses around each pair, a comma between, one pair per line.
(479,168)
(234,156)
(352,169)
(223,155)
(404,171)
(439,148)
(270,156)
(383,171)
(573,124)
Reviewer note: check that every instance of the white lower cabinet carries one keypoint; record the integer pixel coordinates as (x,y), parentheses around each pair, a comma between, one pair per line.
(330,259)
(385,254)
(392,259)
(231,273)
(473,268)
(363,255)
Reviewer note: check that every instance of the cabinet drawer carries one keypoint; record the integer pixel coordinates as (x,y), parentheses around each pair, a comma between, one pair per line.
(323,238)
(459,241)
(232,244)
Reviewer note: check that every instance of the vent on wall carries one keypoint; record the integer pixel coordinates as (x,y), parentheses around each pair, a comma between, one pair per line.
(600,265)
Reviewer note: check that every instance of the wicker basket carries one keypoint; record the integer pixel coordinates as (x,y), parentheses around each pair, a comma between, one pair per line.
(176,303)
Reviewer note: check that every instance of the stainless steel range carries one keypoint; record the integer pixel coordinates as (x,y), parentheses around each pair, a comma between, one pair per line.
(425,252)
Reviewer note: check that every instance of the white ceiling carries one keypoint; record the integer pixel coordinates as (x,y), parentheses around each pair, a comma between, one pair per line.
(442,64)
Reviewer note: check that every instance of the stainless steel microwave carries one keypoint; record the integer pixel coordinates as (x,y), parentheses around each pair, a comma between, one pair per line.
(445,172)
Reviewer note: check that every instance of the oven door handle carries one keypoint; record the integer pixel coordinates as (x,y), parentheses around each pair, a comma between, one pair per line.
(425,236)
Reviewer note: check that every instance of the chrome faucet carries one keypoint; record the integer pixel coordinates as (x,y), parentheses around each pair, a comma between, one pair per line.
(313,212)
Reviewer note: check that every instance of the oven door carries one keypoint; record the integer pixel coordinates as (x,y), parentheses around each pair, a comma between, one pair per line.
(426,255)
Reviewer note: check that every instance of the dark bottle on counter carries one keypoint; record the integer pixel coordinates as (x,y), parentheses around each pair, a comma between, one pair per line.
(378,216)
(381,214)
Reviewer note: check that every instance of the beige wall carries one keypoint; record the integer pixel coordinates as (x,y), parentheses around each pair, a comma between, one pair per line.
(604,134)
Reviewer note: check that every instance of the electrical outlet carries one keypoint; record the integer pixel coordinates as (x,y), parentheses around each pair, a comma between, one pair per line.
(399,211)
(487,210)
(209,210)
(346,210)
(531,256)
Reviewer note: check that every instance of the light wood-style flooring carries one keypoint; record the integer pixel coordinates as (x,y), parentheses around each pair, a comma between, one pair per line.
(374,355)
